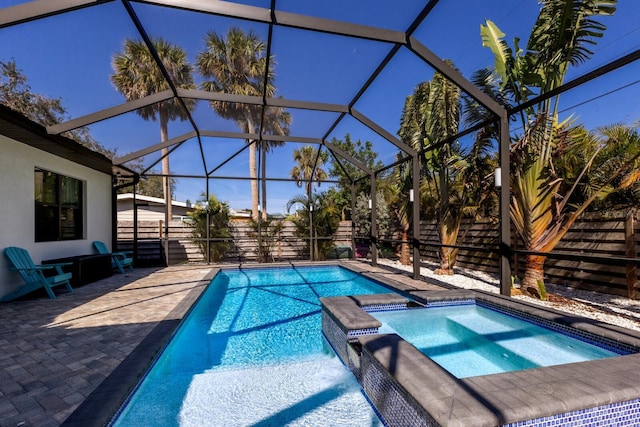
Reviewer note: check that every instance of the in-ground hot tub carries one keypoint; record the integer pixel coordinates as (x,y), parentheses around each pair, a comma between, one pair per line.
(469,340)
(409,388)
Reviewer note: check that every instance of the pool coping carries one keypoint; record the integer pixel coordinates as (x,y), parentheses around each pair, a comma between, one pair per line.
(496,399)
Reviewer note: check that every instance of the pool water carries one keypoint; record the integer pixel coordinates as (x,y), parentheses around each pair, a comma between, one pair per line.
(469,340)
(251,352)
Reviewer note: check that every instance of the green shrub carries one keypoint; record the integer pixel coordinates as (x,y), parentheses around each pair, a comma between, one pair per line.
(319,214)
(542,290)
(221,239)
(267,237)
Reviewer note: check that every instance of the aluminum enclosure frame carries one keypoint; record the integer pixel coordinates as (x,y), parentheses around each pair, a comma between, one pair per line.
(38,9)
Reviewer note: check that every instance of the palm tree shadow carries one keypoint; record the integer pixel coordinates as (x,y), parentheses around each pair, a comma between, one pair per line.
(302,407)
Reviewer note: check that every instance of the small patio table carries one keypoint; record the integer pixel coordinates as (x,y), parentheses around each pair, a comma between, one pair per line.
(85,268)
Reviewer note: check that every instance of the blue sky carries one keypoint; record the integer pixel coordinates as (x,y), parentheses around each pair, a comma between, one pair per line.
(69,56)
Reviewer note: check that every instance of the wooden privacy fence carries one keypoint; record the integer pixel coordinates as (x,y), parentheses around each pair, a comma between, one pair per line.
(183,247)
(481,234)
(613,236)
(591,236)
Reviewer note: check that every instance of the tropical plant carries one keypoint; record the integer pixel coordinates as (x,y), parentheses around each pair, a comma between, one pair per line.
(402,207)
(467,188)
(623,193)
(267,234)
(236,64)
(362,215)
(308,169)
(454,180)
(220,235)
(541,209)
(342,200)
(443,187)
(16,93)
(137,75)
(346,172)
(315,222)
(413,133)
(361,218)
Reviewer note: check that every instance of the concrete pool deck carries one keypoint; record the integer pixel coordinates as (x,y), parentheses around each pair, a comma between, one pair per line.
(72,360)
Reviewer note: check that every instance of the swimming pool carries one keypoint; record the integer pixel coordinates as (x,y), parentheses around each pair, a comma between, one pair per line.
(470,340)
(251,352)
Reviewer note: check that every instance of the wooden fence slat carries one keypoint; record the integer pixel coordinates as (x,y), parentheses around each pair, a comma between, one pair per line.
(630,246)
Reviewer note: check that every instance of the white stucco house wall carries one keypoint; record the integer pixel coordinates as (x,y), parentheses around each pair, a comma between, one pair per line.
(25,147)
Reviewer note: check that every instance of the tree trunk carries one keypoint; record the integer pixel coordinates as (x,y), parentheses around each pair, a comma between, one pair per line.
(446,267)
(166,181)
(405,253)
(253,173)
(533,275)
(264,181)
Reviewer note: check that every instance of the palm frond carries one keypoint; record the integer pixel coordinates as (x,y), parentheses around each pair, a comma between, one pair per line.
(563,34)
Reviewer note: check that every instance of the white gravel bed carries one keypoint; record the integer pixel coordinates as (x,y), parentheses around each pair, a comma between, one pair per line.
(612,309)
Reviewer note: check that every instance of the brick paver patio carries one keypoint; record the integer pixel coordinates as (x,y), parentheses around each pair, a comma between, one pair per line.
(54,353)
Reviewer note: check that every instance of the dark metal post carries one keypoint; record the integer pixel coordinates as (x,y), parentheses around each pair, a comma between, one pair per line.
(114,214)
(167,201)
(505,221)
(416,215)
(135,224)
(208,219)
(310,224)
(374,223)
(353,223)
(260,196)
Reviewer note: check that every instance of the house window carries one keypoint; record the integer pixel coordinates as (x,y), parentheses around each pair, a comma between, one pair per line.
(59,207)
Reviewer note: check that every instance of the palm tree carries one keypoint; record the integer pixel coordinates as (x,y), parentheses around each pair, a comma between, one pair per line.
(401,206)
(317,221)
(454,180)
(237,65)
(267,234)
(136,75)
(443,187)
(623,192)
(218,238)
(413,133)
(541,208)
(304,171)
(276,122)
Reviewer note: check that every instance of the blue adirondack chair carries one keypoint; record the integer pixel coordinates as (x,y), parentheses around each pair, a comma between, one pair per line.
(119,260)
(33,275)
